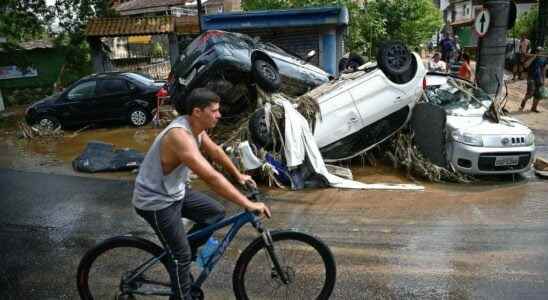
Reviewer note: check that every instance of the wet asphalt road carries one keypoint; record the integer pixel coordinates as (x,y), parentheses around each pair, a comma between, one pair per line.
(478,241)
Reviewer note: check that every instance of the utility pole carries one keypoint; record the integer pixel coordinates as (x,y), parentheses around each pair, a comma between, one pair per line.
(542,24)
(492,47)
(199,8)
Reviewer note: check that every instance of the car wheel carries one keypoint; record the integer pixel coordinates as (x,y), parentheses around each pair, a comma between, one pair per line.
(266,76)
(351,64)
(47,122)
(394,58)
(259,131)
(139,117)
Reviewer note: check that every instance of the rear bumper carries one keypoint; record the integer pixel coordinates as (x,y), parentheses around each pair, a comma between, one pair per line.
(483,161)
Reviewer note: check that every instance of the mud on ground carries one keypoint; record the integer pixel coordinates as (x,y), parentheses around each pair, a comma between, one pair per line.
(55,154)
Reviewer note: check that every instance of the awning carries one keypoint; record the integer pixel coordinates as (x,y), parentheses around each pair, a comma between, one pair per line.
(127,26)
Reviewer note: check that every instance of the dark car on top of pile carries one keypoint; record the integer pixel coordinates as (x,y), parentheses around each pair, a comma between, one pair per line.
(231,64)
(122,96)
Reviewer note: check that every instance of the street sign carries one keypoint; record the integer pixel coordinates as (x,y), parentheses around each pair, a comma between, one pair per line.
(481,25)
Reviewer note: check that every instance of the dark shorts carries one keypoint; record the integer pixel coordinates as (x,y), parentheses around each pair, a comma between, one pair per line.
(169,228)
(533,88)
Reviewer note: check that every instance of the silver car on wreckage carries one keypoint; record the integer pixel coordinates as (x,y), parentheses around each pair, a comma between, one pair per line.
(475,144)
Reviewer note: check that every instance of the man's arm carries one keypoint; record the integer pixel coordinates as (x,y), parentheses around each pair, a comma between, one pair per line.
(181,144)
(216,153)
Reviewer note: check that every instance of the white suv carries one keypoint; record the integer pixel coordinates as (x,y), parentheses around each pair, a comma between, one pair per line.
(360,109)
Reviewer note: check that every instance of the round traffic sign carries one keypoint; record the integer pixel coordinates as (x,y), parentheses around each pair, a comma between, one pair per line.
(481,24)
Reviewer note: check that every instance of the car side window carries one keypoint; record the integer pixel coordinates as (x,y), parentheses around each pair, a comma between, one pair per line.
(82,91)
(113,87)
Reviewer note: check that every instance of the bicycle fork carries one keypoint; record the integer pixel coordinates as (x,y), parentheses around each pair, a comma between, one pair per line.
(269,245)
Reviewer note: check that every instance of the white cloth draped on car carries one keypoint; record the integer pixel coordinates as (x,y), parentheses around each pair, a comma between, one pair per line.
(300,143)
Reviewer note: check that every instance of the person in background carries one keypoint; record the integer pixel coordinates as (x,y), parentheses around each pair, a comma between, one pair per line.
(522,52)
(457,53)
(536,70)
(465,70)
(437,65)
(447,48)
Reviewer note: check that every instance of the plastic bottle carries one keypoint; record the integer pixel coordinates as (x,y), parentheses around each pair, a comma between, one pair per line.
(207,250)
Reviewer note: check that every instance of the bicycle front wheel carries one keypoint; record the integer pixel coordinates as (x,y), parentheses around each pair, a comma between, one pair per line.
(124,267)
(306,262)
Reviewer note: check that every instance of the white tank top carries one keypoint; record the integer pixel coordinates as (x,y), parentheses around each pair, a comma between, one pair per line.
(153,190)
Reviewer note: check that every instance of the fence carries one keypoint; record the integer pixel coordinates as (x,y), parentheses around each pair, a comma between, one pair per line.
(158,71)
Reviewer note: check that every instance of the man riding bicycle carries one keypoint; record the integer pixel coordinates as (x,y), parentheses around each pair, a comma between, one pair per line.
(161,195)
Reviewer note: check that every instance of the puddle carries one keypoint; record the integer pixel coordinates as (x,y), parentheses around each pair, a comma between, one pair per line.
(55,154)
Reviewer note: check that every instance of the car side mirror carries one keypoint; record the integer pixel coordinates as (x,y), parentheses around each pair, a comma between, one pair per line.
(310,54)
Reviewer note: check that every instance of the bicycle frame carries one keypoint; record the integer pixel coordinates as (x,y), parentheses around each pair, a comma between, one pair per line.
(237,221)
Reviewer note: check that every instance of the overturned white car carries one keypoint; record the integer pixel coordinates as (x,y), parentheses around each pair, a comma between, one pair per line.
(360,109)
(455,130)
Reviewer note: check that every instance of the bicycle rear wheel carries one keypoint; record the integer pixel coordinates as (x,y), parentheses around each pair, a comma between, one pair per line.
(111,270)
(306,261)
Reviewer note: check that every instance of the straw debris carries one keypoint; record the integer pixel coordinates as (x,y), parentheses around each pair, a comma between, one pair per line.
(403,154)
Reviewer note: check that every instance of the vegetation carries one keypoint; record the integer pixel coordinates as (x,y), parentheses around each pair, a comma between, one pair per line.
(73,16)
(157,50)
(24,20)
(525,23)
(410,21)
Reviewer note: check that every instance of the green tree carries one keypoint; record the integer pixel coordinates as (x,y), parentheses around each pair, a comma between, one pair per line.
(24,19)
(525,23)
(411,21)
(73,16)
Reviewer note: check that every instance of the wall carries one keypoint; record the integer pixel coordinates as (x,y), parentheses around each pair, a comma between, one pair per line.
(48,63)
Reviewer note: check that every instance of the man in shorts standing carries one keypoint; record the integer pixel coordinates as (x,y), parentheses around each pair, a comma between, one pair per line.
(535,78)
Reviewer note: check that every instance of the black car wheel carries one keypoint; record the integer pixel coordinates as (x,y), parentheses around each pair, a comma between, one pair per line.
(394,58)
(260,131)
(47,122)
(396,62)
(351,64)
(138,117)
(266,76)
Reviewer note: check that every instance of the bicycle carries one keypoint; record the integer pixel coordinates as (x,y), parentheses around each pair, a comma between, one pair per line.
(255,276)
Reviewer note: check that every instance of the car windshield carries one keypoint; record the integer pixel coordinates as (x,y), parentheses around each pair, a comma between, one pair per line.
(458,95)
(140,78)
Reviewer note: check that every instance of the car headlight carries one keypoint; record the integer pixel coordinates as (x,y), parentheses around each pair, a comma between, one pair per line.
(530,139)
(467,138)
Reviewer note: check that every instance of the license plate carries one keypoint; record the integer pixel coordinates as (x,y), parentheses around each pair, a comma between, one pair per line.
(506,161)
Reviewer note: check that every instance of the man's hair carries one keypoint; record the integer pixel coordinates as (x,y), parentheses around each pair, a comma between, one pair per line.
(198,98)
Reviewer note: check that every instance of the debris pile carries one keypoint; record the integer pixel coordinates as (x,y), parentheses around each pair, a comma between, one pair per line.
(31,132)
(403,154)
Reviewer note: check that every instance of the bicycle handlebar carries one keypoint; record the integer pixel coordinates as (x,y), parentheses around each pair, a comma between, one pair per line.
(252,192)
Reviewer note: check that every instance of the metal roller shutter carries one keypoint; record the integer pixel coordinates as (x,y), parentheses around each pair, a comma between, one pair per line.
(296,40)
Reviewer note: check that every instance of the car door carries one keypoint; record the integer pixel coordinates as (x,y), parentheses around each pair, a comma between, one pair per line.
(78,103)
(113,94)
(339,116)
(376,97)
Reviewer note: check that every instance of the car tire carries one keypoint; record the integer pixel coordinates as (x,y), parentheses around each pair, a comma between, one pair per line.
(395,60)
(138,116)
(266,76)
(47,122)
(260,133)
(351,63)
